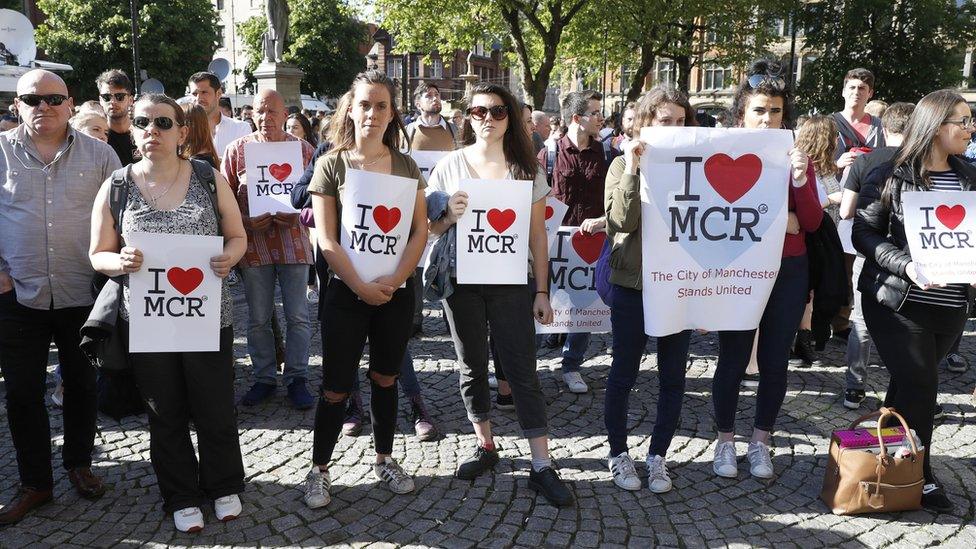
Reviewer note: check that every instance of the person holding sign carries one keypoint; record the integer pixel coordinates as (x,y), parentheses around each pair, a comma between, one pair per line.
(165,194)
(377,306)
(498,148)
(914,323)
(762,100)
(662,106)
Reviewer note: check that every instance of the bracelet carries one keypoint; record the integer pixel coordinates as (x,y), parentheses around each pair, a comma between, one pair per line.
(542,292)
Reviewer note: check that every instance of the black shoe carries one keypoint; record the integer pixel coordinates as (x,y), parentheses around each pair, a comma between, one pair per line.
(935,499)
(956,363)
(804,349)
(548,483)
(479,462)
(504,402)
(853,398)
(939,412)
(842,334)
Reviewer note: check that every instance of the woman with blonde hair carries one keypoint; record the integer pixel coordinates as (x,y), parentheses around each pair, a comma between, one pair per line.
(91,124)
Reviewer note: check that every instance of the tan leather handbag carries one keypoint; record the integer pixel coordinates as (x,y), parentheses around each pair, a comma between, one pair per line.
(858,481)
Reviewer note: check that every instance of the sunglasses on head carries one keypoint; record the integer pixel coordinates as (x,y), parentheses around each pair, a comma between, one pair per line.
(765,80)
(162,122)
(120,96)
(498,112)
(33,99)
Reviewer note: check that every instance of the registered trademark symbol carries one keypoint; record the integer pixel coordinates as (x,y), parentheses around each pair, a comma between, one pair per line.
(763,208)
(204,298)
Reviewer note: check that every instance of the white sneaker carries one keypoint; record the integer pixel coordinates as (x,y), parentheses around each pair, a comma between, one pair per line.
(760,464)
(492,381)
(188,520)
(657,474)
(394,476)
(312,295)
(624,473)
(725,463)
(228,507)
(317,486)
(574,381)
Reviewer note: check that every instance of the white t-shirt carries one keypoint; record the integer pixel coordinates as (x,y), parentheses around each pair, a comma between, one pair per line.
(227,131)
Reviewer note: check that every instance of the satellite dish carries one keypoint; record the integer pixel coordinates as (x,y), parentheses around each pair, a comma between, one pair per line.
(17,36)
(220,67)
(152,86)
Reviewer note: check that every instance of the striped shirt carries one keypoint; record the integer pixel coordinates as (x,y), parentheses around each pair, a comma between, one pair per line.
(953,295)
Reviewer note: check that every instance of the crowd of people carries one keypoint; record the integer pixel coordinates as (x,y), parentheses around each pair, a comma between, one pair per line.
(79,180)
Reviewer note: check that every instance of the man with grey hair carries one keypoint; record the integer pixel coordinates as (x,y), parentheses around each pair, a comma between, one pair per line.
(49,175)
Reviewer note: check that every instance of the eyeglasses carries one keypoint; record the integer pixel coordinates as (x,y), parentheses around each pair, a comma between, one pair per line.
(33,99)
(770,81)
(162,122)
(498,112)
(120,96)
(964,122)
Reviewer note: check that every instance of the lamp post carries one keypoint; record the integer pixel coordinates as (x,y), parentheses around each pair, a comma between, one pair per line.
(134,9)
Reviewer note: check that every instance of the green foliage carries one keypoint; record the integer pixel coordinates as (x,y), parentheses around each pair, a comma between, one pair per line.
(176,39)
(16,5)
(251,31)
(912,46)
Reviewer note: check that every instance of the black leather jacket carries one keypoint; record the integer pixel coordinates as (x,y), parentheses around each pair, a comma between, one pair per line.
(879,230)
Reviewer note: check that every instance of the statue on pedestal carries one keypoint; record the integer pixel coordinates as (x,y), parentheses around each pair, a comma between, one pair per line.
(277,12)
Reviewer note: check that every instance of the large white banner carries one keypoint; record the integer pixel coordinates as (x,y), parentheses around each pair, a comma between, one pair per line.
(493,233)
(939,230)
(174,299)
(272,170)
(426,160)
(377,211)
(576,307)
(713,219)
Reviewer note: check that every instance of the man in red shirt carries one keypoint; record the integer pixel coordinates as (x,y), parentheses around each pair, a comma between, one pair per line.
(859,132)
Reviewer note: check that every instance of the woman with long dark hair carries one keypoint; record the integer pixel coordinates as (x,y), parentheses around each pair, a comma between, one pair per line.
(913,323)
(662,106)
(496,146)
(298,125)
(199,142)
(365,137)
(763,101)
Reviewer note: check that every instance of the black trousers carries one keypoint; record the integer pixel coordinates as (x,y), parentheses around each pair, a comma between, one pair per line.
(179,388)
(25,338)
(912,342)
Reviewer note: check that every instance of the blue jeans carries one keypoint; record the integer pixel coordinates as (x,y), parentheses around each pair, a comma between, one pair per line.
(629,340)
(259,287)
(573,351)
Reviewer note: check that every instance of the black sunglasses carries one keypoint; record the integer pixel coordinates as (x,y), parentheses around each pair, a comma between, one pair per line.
(120,96)
(33,99)
(766,80)
(498,112)
(162,122)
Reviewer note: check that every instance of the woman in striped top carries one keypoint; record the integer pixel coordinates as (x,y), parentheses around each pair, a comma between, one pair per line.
(914,323)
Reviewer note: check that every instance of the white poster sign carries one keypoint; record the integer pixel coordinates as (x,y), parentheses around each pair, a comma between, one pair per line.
(272,169)
(174,299)
(576,307)
(939,230)
(426,160)
(377,211)
(555,213)
(713,220)
(493,233)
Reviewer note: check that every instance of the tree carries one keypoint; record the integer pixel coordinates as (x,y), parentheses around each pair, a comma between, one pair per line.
(176,39)
(912,47)
(533,28)
(323,40)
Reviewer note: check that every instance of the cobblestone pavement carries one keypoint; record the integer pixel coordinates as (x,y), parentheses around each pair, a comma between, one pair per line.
(499,510)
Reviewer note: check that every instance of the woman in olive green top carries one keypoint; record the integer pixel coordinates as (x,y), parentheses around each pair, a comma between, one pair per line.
(662,106)
(366,137)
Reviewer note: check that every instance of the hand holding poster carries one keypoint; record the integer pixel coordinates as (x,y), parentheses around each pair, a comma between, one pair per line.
(174,300)
(272,169)
(939,229)
(576,307)
(377,212)
(713,220)
(493,234)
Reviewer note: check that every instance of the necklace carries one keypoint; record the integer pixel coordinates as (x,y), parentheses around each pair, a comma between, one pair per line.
(155,199)
(363,164)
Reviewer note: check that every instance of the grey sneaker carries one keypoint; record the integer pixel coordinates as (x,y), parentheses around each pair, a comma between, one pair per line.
(624,473)
(390,472)
(725,461)
(317,486)
(957,363)
(657,474)
(760,464)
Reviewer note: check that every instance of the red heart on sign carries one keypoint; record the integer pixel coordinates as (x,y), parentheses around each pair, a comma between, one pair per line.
(385,218)
(549,212)
(184,281)
(732,178)
(501,219)
(950,217)
(588,246)
(280,171)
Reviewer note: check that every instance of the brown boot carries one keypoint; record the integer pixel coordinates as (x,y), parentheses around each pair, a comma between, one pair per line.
(26,500)
(86,483)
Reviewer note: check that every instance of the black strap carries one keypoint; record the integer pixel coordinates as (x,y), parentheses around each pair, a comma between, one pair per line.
(205,174)
(119,196)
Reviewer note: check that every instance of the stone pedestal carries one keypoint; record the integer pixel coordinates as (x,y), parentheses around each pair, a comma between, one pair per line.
(283,78)
(469,81)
